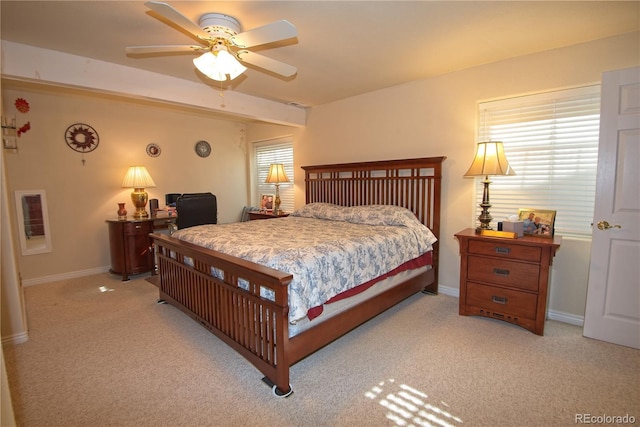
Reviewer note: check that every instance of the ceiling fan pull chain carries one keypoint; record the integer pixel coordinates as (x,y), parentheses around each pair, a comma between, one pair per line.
(221,95)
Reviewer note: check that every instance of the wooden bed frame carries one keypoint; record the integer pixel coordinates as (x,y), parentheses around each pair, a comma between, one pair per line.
(257,328)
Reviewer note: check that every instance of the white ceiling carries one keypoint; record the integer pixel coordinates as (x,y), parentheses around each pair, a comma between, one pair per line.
(344,48)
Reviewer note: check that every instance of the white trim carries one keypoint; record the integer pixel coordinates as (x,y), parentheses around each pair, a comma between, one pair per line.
(42,66)
(571,319)
(16,338)
(64,276)
(559,316)
(538,92)
(284,138)
(447,290)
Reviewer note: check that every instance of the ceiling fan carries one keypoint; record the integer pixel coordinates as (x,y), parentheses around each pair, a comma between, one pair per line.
(222,43)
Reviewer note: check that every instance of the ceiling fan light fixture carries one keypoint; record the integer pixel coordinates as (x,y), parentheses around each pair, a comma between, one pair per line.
(219,35)
(228,64)
(217,64)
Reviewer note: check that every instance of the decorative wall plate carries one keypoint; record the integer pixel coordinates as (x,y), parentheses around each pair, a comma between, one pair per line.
(81,138)
(203,149)
(153,150)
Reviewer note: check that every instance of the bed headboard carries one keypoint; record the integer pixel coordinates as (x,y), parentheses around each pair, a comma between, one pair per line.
(411,183)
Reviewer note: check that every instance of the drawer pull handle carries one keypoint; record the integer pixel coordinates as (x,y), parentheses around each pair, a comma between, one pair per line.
(500,272)
(503,251)
(138,226)
(499,300)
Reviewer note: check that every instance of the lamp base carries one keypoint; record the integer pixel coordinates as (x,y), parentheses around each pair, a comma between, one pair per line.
(276,202)
(139,198)
(485,217)
(480,229)
(140,214)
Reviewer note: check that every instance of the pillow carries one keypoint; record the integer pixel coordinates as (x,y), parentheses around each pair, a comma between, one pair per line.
(367,214)
(319,210)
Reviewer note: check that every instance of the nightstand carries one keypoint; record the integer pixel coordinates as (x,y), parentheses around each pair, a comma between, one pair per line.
(506,279)
(253,215)
(130,244)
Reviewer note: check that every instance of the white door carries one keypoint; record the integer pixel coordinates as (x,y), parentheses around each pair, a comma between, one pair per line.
(613,297)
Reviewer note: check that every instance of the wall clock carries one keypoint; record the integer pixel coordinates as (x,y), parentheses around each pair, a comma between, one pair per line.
(203,149)
(81,138)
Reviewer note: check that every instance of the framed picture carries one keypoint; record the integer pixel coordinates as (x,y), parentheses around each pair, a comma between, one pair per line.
(538,222)
(266,202)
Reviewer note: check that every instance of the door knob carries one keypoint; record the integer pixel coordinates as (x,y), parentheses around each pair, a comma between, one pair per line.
(604,225)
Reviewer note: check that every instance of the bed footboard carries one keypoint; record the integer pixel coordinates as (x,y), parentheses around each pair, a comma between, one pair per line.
(231,307)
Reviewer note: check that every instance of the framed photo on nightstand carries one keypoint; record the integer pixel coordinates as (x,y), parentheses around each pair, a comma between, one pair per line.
(538,222)
(266,202)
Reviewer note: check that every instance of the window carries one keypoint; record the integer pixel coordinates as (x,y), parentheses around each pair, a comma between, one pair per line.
(275,151)
(551,141)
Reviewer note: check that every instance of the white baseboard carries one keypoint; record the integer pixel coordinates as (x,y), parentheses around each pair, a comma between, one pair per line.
(64,276)
(571,319)
(16,338)
(447,290)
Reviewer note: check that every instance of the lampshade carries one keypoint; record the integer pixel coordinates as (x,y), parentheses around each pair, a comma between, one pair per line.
(138,177)
(490,160)
(276,174)
(217,63)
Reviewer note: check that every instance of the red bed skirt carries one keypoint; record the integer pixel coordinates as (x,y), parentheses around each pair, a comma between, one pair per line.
(422,261)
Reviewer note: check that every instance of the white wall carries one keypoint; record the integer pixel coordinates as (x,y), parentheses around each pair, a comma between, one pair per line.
(431,117)
(12,311)
(437,117)
(82,196)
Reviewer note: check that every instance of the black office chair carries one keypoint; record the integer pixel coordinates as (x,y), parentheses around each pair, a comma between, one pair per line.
(196,209)
(170,199)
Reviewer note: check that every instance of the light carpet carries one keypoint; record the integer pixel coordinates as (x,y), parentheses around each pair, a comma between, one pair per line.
(102,352)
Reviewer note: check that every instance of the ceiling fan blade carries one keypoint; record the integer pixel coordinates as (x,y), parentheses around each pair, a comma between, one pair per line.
(164,49)
(276,31)
(168,12)
(266,63)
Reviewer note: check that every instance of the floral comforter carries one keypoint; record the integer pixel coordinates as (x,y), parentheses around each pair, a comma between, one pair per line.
(327,248)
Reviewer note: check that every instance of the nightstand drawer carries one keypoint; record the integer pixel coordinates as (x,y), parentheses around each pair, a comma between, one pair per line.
(504,272)
(133,228)
(506,301)
(506,250)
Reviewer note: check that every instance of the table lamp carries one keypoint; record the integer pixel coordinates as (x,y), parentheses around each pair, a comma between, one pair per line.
(138,178)
(276,176)
(490,160)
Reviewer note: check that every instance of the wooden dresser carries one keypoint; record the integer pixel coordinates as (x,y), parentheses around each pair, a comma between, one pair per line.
(130,244)
(506,279)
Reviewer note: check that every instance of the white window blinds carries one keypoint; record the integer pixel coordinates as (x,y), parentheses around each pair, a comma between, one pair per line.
(280,151)
(551,141)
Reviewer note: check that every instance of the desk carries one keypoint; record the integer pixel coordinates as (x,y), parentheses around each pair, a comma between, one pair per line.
(130,244)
